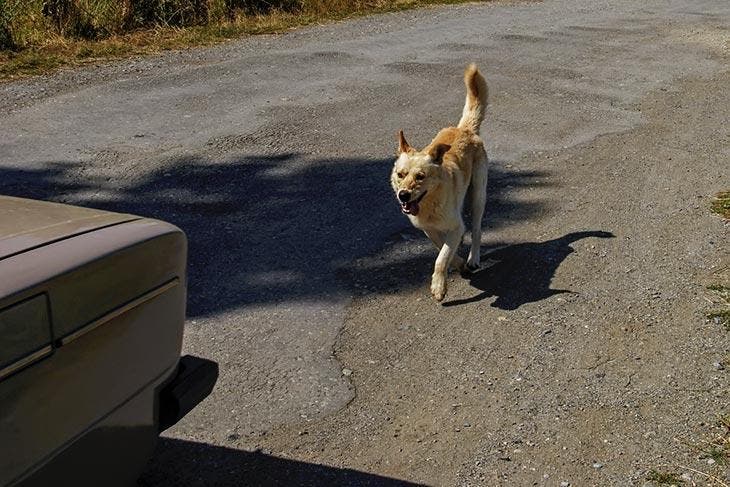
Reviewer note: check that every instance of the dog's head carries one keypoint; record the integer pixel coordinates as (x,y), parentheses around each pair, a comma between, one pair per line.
(416,173)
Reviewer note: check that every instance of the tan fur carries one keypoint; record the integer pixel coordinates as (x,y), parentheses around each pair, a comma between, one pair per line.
(432,183)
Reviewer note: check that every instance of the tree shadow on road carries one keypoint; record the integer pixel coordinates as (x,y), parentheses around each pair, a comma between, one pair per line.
(262,228)
(179,462)
(521,273)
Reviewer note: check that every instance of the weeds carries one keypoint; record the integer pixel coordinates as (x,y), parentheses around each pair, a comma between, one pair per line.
(721,297)
(664,478)
(721,204)
(38,36)
(713,450)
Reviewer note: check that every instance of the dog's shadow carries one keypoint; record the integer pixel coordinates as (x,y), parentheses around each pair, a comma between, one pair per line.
(521,273)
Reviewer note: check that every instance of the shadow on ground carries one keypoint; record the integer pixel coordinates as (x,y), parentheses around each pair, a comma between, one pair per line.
(187,463)
(521,273)
(515,274)
(263,229)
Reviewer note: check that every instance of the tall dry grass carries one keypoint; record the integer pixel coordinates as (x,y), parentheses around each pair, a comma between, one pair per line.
(26,23)
(38,36)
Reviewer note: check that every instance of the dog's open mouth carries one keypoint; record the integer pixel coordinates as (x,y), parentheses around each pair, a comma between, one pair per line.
(411,207)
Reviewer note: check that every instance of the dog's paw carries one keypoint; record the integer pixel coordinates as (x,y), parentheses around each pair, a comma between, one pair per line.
(472,264)
(438,288)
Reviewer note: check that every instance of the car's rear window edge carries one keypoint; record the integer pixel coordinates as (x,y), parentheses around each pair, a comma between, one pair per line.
(70,235)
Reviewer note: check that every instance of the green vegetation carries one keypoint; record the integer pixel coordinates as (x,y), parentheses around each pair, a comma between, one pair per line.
(37,36)
(721,316)
(714,452)
(718,454)
(664,478)
(721,204)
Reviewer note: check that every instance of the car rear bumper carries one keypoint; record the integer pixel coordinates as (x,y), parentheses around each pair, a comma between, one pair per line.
(193,381)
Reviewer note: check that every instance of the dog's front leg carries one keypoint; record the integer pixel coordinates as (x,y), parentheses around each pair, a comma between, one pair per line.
(437,238)
(446,254)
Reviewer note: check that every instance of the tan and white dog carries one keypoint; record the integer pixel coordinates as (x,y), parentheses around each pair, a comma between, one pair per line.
(431,184)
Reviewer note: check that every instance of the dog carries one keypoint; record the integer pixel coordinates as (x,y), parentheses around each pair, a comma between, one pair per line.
(431,184)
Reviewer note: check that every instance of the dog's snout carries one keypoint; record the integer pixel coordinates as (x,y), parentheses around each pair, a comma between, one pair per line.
(404,195)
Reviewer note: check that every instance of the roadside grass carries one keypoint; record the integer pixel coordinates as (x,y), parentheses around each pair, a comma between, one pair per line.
(721,295)
(721,204)
(42,46)
(664,478)
(717,448)
(713,451)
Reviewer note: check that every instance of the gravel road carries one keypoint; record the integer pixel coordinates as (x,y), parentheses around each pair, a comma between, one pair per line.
(578,355)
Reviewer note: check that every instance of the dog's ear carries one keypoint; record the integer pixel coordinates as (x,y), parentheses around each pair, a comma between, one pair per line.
(402,144)
(437,152)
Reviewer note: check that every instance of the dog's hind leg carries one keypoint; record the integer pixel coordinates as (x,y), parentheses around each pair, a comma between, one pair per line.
(446,254)
(437,238)
(478,202)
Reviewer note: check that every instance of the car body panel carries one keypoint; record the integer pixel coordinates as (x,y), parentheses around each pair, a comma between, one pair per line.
(95,307)
(26,224)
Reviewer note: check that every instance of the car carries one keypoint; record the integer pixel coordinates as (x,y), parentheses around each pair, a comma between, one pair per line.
(92,311)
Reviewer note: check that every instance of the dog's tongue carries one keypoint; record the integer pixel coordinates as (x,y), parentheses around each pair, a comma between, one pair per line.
(411,208)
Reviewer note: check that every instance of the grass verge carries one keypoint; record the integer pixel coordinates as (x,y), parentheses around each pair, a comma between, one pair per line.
(721,296)
(721,204)
(713,452)
(55,51)
(664,478)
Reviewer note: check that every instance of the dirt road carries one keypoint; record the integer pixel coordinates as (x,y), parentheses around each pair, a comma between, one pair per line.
(580,354)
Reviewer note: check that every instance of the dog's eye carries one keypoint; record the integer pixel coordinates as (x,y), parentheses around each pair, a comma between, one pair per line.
(401,175)
(420,177)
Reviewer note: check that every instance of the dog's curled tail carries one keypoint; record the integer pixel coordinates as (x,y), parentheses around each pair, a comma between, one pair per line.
(476,99)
